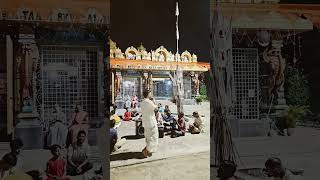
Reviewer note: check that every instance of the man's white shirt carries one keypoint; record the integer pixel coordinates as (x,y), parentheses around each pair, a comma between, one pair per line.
(148,117)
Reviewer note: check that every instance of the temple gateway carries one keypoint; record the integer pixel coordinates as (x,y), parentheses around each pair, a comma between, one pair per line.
(137,69)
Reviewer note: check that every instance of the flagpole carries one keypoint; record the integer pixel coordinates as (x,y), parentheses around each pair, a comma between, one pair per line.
(177,26)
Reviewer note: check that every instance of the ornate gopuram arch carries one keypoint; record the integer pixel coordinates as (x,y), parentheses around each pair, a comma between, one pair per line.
(162,54)
(132,53)
(186,56)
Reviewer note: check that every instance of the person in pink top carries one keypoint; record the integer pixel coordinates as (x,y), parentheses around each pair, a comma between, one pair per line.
(78,122)
(56,166)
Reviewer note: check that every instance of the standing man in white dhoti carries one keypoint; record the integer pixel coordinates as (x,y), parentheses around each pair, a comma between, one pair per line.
(149,123)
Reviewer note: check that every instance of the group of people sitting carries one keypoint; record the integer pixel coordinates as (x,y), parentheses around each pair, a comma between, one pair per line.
(65,133)
(178,125)
(58,167)
(76,163)
(273,168)
(129,114)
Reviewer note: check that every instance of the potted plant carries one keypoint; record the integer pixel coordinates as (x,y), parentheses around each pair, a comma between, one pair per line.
(291,116)
(199,100)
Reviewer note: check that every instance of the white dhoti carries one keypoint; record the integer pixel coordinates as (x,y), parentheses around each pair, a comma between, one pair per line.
(152,137)
(57,135)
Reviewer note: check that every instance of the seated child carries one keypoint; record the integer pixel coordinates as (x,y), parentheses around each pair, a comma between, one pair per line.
(56,165)
(127,115)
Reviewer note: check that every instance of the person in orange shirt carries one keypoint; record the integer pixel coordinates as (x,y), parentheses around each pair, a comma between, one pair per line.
(127,115)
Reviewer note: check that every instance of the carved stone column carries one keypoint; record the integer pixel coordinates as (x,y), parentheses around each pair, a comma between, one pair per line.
(28,60)
(150,83)
(281,103)
(113,92)
(28,127)
(118,90)
(197,85)
(195,82)
(145,81)
(118,82)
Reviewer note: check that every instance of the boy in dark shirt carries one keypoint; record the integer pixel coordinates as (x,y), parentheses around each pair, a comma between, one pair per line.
(113,135)
(114,143)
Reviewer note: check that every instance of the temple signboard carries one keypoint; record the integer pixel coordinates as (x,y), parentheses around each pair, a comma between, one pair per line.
(37,14)
(126,64)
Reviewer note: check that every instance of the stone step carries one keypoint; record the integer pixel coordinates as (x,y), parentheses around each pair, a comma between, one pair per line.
(4,146)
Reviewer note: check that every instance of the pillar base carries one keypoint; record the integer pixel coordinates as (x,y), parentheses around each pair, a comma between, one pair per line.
(29,130)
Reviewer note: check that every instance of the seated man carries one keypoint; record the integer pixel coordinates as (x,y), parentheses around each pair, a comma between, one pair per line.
(166,109)
(181,124)
(168,117)
(6,164)
(274,168)
(197,126)
(78,156)
(227,170)
(134,110)
(127,115)
(15,147)
(159,117)
(114,143)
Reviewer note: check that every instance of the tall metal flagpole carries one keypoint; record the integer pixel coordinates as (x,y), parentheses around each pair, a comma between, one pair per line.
(177,26)
(179,73)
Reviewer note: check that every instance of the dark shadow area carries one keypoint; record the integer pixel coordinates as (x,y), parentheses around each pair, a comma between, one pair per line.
(126,156)
(132,137)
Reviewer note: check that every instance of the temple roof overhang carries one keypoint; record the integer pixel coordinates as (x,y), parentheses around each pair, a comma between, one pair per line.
(147,65)
(66,11)
(299,17)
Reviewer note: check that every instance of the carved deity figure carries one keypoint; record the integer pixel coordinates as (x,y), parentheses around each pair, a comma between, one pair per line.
(194,58)
(195,83)
(177,57)
(277,65)
(171,57)
(144,54)
(119,54)
(148,57)
(185,59)
(118,81)
(145,81)
(153,56)
(161,57)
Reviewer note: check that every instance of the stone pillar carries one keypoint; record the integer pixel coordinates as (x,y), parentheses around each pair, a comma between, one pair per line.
(112,87)
(118,90)
(150,83)
(145,81)
(281,101)
(28,59)
(28,127)
(141,88)
(197,85)
(10,85)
